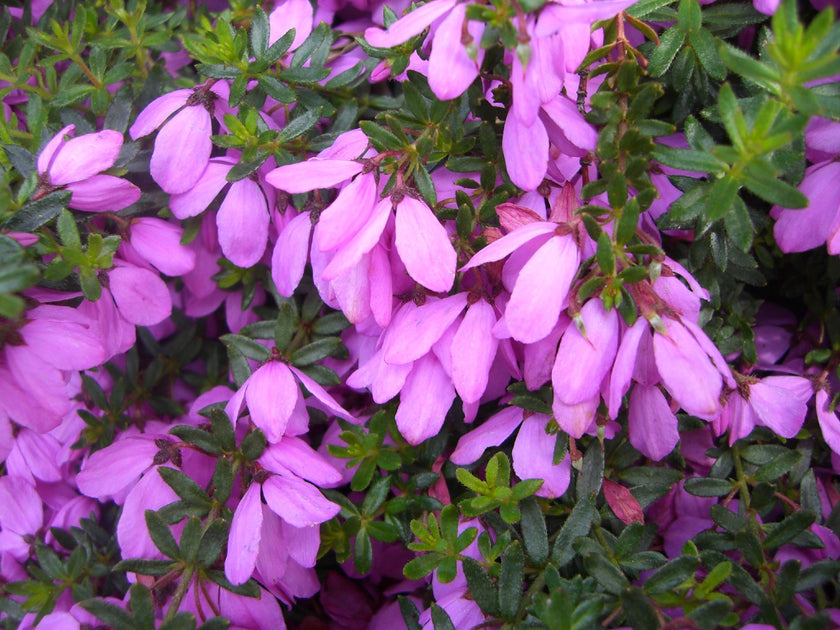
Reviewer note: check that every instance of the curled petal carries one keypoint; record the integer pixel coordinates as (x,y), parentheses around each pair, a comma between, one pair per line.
(102,193)
(297,502)
(311,174)
(651,423)
(85,156)
(492,432)
(409,25)
(156,113)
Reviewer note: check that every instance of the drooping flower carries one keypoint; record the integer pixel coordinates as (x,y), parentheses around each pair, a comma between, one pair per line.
(78,165)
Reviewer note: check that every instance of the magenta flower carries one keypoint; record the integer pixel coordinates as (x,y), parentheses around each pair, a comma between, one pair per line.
(77,165)
(182,146)
(273,396)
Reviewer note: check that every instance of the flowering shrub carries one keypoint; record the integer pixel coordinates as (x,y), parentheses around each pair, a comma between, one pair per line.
(279,284)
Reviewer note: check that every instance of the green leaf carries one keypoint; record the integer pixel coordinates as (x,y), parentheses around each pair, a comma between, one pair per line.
(161,536)
(380,137)
(511,579)
(145,567)
(67,230)
(203,439)
(789,528)
(222,429)
(259,33)
(315,351)
(421,566)
(112,615)
(253,444)
(213,541)
(708,487)
(774,191)
(605,573)
(738,225)
(721,198)
(671,575)
(534,533)
(741,63)
(641,615)
(704,45)
(481,587)
(362,553)
(34,214)
(277,90)
(142,607)
(688,159)
(303,75)
(576,526)
(300,125)
(605,254)
(247,347)
(592,472)
(15,279)
(440,619)
(663,55)
(184,487)
(181,621)
(425,186)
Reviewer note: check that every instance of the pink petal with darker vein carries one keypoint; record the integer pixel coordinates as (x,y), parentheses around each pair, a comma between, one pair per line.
(533,458)
(583,359)
(542,289)
(492,432)
(311,174)
(85,156)
(141,296)
(297,502)
(424,246)
(651,423)
(271,395)
(291,251)
(103,193)
(426,397)
(416,331)
(156,113)
(242,222)
(244,540)
(409,25)
(473,351)
(182,150)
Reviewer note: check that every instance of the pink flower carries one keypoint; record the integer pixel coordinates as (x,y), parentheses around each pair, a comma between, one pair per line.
(76,165)
(182,146)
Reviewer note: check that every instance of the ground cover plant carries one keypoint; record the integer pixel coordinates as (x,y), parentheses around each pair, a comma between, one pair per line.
(448,315)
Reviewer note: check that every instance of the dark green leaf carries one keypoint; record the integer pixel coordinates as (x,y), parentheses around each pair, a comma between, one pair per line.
(708,487)
(789,528)
(259,33)
(481,586)
(687,159)
(247,347)
(142,607)
(671,575)
(605,573)
(639,610)
(253,444)
(315,351)
(161,536)
(511,580)
(299,125)
(534,533)
(34,214)
(184,487)
(112,615)
(576,526)
(440,619)
(663,55)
